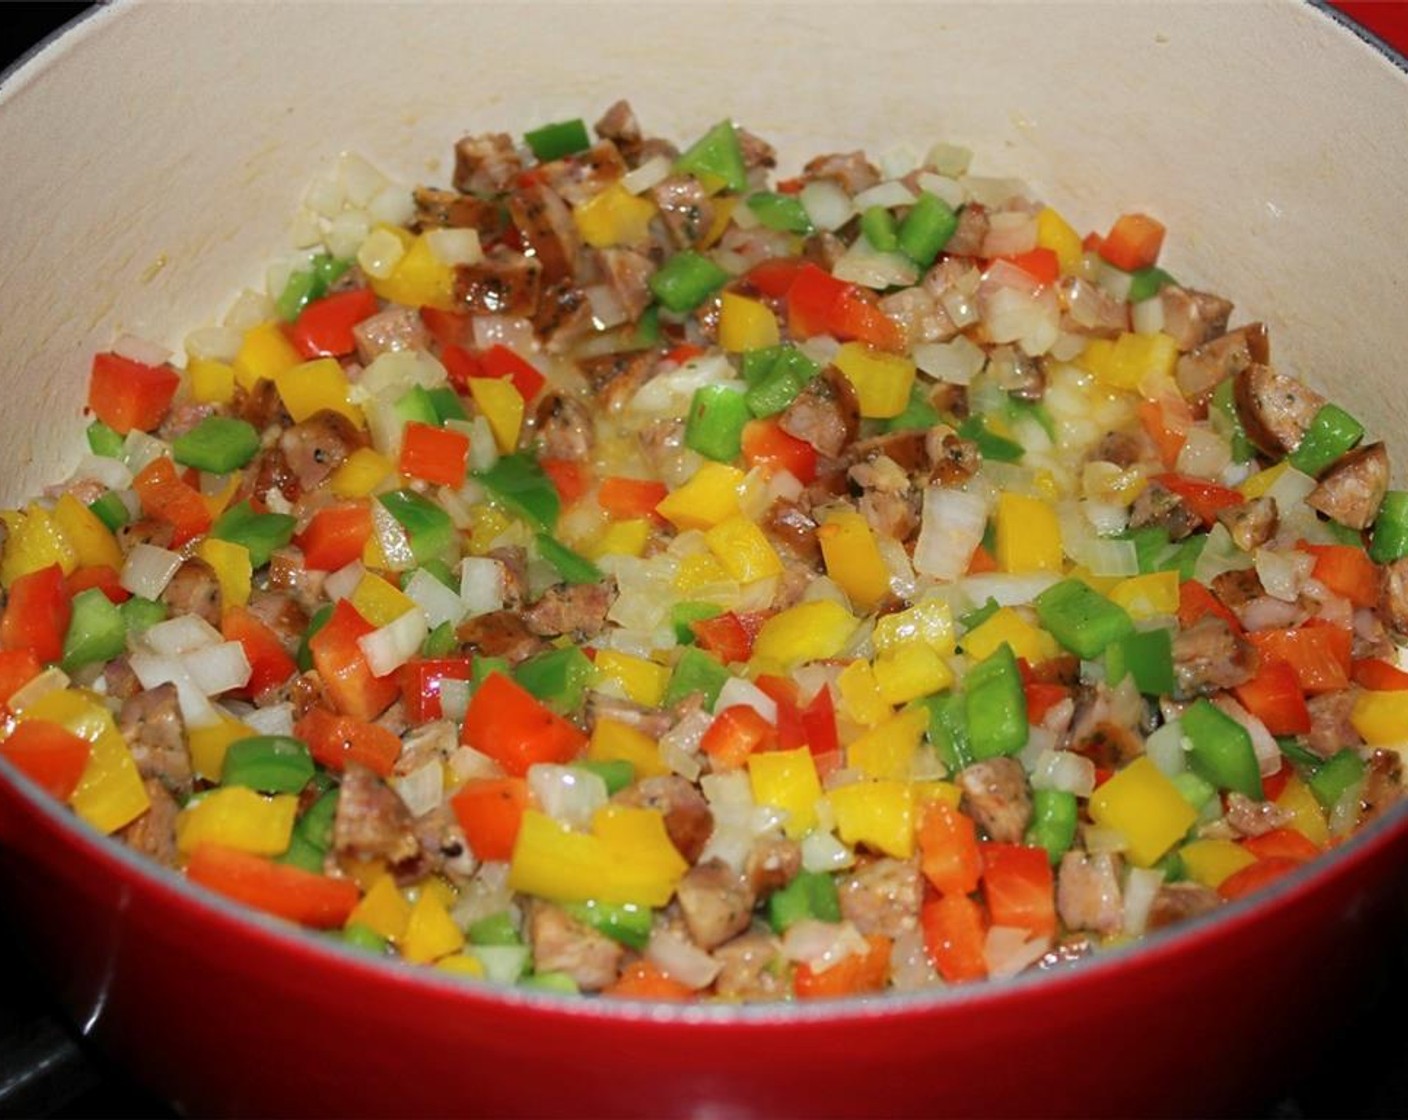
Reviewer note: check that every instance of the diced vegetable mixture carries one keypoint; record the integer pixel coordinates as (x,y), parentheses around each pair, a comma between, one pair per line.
(623,571)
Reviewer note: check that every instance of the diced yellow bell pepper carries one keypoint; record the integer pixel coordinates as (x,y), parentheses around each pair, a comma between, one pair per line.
(746,324)
(1381,718)
(1128,361)
(699,570)
(853,559)
(929,621)
(1211,861)
(438,886)
(882,381)
(110,793)
(1055,233)
(628,857)
(383,909)
(420,278)
(210,742)
(787,780)
(462,964)
(860,697)
(909,672)
(237,817)
(232,567)
(34,541)
(1307,816)
(211,382)
(723,213)
(621,538)
(486,525)
(937,790)
(708,497)
(1258,484)
(743,549)
(1006,624)
(92,541)
(1028,535)
(379,601)
(888,750)
(264,354)
(364,872)
(360,473)
(217,502)
(314,386)
(1147,596)
(615,741)
(878,814)
(430,931)
(502,406)
(1145,807)
(809,631)
(614,216)
(641,680)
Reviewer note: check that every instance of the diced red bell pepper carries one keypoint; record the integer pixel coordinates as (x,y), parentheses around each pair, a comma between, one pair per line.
(346,676)
(1347,571)
(1134,242)
(500,361)
(765,444)
(323,328)
(335,740)
(37,614)
(1042,696)
(269,661)
(50,755)
(1202,497)
(570,479)
(510,725)
(624,499)
(1255,876)
(737,732)
(17,668)
(1041,264)
(1320,655)
(128,395)
(102,576)
(434,454)
(643,979)
(420,684)
(281,889)
(461,365)
(448,328)
(1282,843)
(336,536)
(725,635)
(818,303)
(1275,697)
(819,723)
(1378,675)
(490,811)
(165,496)
(1195,600)
(684,352)
(949,855)
(955,936)
(774,277)
(791,732)
(1019,887)
(853,975)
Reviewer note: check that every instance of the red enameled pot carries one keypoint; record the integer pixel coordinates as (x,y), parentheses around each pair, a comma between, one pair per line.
(154,154)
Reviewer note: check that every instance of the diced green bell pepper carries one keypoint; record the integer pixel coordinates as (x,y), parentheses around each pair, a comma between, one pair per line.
(429,529)
(1145,655)
(138,614)
(1389,541)
(714,424)
(1331,434)
(1225,421)
(362,936)
(111,511)
(557,677)
(811,894)
(716,155)
(440,642)
(926,229)
(878,225)
(218,444)
(96,631)
(992,446)
(995,706)
(447,405)
(686,280)
(416,405)
(783,212)
(1221,749)
(1054,817)
(617,773)
(571,566)
(558,139)
(948,729)
(315,825)
(518,482)
(1146,283)
(682,615)
(268,763)
(696,671)
(494,929)
(260,533)
(1342,770)
(1080,618)
(104,441)
(624,922)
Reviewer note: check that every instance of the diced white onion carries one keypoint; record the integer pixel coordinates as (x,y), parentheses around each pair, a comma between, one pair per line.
(962,307)
(391,538)
(250,309)
(867,266)
(380,253)
(1141,887)
(423,788)
(454,698)
(141,350)
(1283,574)
(481,584)
(455,246)
(952,526)
(394,206)
(360,181)
(672,391)
(140,449)
(182,634)
(1008,950)
(738,691)
(392,372)
(1220,554)
(152,670)
(823,851)
(466,762)
(1107,557)
(346,233)
(1009,589)
(436,601)
(1147,316)
(827,204)
(1064,770)
(503,964)
(148,569)
(1204,453)
(1009,232)
(994,192)
(567,794)
(112,473)
(217,668)
(943,187)
(956,362)
(218,344)
(276,719)
(949,159)
(651,173)
(821,945)
(1012,314)
(887,194)
(325,196)
(305,229)
(681,959)
(343,582)
(1165,749)
(52,679)
(607,309)
(389,647)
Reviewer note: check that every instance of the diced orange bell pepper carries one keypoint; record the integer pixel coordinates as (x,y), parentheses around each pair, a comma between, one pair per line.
(510,725)
(1134,242)
(626,498)
(948,849)
(275,888)
(17,668)
(37,614)
(1274,696)
(490,811)
(955,935)
(1346,570)
(335,740)
(735,734)
(165,496)
(642,979)
(1019,887)
(343,668)
(1321,655)
(433,454)
(336,536)
(269,662)
(852,975)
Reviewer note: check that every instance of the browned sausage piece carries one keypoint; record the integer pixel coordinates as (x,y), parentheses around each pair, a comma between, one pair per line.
(578,609)
(1275,408)
(751,969)
(395,328)
(486,164)
(1192,318)
(372,822)
(996,796)
(1088,893)
(195,589)
(685,207)
(826,413)
(545,221)
(1350,491)
(151,723)
(437,209)
(1200,370)
(1252,523)
(1393,597)
(316,447)
(563,944)
(1176,902)
(882,896)
(564,427)
(503,283)
(851,170)
(1209,657)
(716,901)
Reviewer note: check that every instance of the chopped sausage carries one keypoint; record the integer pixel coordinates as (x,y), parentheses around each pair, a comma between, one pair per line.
(372,822)
(615,378)
(1017,373)
(119,681)
(688,819)
(1105,723)
(1088,893)
(282,613)
(920,315)
(396,328)
(499,634)
(1251,524)
(1209,657)
(1393,597)
(561,943)
(851,170)
(996,796)
(757,153)
(1383,784)
(1088,309)
(970,233)
(627,273)
(444,849)
(620,125)
(153,834)
(152,724)
(716,902)
(1191,317)
(438,209)
(772,862)
(1331,726)
(487,164)
(577,609)
(503,283)
(1177,902)
(882,896)
(955,459)
(317,446)
(1350,491)
(1241,591)
(752,968)
(1159,506)
(826,413)
(787,524)
(685,207)
(260,405)
(1201,370)
(1275,408)
(544,220)
(1123,449)
(288,572)
(564,427)
(580,176)
(195,589)
(1254,818)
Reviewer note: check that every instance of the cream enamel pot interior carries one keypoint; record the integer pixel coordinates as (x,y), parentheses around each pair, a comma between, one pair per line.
(153,157)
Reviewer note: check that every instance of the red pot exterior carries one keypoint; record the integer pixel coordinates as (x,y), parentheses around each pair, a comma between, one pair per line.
(229,1015)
